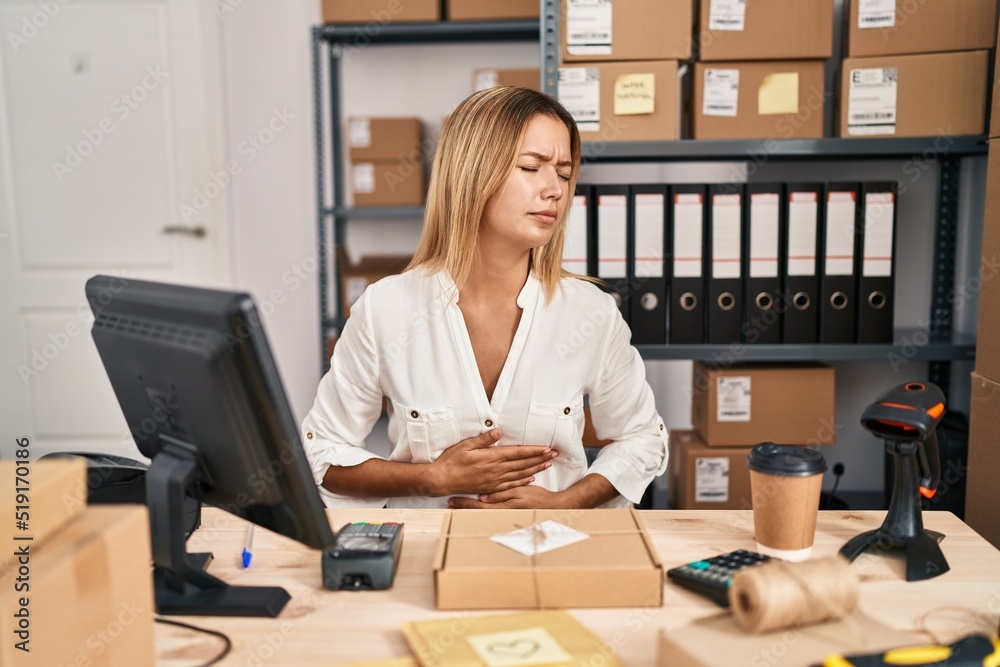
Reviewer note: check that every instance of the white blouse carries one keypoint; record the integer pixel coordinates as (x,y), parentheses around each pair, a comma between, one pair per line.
(406,339)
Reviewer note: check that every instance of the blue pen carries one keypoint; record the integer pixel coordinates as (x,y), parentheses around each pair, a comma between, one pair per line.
(247,555)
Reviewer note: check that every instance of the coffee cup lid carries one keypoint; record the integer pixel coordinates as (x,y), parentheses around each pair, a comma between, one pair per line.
(786,460)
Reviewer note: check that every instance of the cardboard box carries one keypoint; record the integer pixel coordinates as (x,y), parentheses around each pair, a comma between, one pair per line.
(924,26)
(529,77)
(382,183)
(719,640)
(619,569)
(941,94)
(987,343)
(772,30)
(638,30)
(386,139)
(355,278)
(982,496)
(742,405)
(91,594)
(995,110)
(55,491)
(707,478)
(759,100)
(492,10)
(630,101)
(382,12)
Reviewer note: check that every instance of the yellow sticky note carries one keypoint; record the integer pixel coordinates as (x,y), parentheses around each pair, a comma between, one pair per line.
(635,94)
(778,94)
(519,648)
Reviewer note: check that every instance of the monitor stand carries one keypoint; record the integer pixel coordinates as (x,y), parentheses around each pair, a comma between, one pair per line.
(181,585)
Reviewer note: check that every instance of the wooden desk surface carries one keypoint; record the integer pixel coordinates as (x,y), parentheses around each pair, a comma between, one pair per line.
(321,627)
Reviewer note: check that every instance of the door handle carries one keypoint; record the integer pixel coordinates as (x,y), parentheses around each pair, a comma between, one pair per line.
(197,231)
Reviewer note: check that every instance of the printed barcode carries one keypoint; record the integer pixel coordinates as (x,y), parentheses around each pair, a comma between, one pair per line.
(720,106)
(577,36)
(704,494)
(872,115)
(732,413)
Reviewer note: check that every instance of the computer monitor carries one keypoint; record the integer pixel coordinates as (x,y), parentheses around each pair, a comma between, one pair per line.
(193,373)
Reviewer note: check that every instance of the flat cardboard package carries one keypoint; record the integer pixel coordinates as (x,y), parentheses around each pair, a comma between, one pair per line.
(982,496)
(939,94)
(491,10)
(987,342)
(771,30)
(373,138)
(759,100)
(382,12)
(529,77)
(617,569)
(48,497)
(919,26)
(743,405)
(633,30)
(355,278)
(388,183)
(91,594)
(707,478)
(629,101)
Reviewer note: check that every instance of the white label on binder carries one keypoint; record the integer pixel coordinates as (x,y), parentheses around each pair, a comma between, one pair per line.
(733,399)
(876,14)
(588,27)
(486,79)
(840,234)
(726,223)
(575,245)
(648,236)
(611,239)
(722,91)
(802,215)
(727,14)
(580,93)
(364,178)
(871,104)
(687,235)
(361,133)
(877,256)
(711,479)
(764,235)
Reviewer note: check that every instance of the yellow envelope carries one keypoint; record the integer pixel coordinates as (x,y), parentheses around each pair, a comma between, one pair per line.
(778,94)
(635,94)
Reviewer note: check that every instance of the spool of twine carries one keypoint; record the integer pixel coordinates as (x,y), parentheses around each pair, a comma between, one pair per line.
(780,595)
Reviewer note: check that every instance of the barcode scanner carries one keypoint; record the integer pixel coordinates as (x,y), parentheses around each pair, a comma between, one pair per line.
(906,417)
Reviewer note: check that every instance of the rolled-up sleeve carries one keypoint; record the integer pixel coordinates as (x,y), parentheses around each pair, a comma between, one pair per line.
(348,403)
(624,411)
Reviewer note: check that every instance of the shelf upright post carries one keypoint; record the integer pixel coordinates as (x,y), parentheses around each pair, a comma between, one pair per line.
(321,209)
(549,33)
(945,242)
(337,160)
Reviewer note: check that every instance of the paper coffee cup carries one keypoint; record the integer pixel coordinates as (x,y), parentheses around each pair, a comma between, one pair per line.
(785,483)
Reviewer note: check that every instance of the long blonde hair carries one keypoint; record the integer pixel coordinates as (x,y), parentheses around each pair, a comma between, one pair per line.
(475,154)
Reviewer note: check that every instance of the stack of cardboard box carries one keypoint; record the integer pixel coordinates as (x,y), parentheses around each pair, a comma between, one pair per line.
(760,70)
(619,75)
(916,69)
(383,12)
(736,407)
(387,161)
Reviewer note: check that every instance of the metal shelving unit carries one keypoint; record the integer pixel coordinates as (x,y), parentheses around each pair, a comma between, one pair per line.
(332,42)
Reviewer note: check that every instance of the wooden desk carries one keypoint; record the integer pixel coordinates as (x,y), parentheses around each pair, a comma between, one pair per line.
(321,627)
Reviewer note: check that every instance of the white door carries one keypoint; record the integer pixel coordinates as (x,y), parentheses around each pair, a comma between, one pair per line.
(111,148)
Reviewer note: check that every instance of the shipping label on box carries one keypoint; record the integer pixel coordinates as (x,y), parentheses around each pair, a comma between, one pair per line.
(722,92)
(588,27)
(727,14)
(580,93)
(871,107)
(711,482)
(876,14)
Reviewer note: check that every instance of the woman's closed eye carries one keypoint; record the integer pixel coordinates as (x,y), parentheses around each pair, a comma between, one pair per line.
(533,170)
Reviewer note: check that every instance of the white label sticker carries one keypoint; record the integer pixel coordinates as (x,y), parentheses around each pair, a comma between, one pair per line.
(575,245)
(871,104)
(711,479)
(722,92)
(361,133)
(588,27)
(364,178)
(877,256)
(840,207)
(648,236)
(688,214)
(727,14)
(803,209)
(580,93)
(733,399)
(539,538)
(486,79)
(764,235)
(727,222)
(611,236)
(876,14)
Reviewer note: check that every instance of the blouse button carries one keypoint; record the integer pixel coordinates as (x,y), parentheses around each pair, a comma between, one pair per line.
(566,411)
(488,422)
(661,427)
(309,435)
(414,414)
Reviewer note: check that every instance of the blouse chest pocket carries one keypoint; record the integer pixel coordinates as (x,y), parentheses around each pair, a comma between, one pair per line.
(558,425)
(429,431)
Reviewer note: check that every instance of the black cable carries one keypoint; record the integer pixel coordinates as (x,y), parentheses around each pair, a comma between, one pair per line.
(220,635)
(838,472)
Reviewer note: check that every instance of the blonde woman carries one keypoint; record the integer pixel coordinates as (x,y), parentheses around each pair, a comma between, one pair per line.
(484,346)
